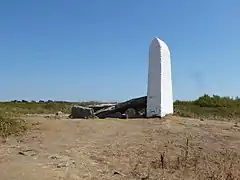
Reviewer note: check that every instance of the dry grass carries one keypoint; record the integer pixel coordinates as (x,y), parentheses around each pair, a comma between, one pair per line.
(192,163)
(21,108)
(153,149)
(173,148)
(167,154)
(11,125)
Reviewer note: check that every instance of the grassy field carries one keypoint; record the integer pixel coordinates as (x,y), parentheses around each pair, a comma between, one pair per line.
(205,107)
(211,107)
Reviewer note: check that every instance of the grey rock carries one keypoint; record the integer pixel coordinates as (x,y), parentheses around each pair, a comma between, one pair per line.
(28,152)
(63,164)
(81,112)
(129,109)
(59,113)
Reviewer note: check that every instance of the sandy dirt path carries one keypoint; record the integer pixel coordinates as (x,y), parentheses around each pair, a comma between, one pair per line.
(121,149)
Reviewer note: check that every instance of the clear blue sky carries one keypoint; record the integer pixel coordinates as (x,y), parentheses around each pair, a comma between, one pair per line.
(98,49)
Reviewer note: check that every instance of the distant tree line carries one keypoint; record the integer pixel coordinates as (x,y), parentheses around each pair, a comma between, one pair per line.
(40,101)
(202,101)
(213,101)
(85,103)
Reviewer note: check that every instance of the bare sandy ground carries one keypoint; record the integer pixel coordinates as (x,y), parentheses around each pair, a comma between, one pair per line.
(171,148)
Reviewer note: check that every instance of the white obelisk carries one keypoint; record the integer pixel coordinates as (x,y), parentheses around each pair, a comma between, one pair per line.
(159,92)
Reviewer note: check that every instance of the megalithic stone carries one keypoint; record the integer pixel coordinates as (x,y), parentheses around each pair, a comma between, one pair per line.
(159,91)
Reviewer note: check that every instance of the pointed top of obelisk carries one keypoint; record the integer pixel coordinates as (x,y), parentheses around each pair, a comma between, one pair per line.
(158,42)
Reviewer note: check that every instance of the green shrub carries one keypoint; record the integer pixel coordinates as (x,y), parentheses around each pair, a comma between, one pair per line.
(214,107)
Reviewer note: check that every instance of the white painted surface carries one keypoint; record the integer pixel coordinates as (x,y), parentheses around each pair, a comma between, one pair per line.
(159,92)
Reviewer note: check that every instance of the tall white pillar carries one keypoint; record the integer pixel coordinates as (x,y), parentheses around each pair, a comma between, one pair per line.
(159,92)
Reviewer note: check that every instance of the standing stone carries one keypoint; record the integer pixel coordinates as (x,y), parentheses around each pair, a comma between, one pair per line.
(159,92)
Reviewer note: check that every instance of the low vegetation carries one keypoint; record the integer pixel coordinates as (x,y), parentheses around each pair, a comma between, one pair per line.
(212,107)
(11,125)
(41,107)
(34,107)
